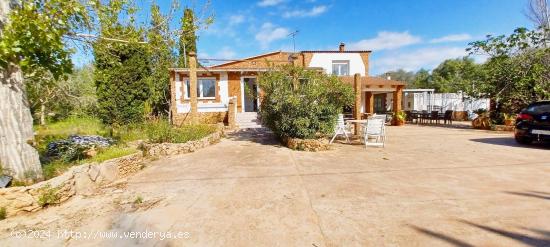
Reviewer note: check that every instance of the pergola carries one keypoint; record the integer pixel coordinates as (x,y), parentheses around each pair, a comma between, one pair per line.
(369,86)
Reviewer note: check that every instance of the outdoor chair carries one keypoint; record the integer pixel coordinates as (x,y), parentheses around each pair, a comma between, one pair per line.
(448,117)
(376,130)
(434,116)
(341,128)
(384,117)
(408,117)
(415,115)
(424,116)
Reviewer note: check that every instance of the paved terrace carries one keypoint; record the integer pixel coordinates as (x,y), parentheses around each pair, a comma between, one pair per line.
(430,186)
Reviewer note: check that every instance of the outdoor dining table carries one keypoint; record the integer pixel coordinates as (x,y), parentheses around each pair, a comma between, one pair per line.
(360,122)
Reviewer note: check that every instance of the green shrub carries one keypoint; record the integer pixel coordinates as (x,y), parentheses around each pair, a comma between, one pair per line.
(138,200)
(73,152)
(48,196)
(299,103)
(121,72)
(160,131)
(3,213)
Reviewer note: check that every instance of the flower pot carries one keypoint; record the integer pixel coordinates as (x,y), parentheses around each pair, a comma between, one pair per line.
(482,123)
(398,122)
(509,122)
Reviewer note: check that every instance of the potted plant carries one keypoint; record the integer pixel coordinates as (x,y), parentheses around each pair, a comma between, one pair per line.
(482,121)
(509,119)
(399,118)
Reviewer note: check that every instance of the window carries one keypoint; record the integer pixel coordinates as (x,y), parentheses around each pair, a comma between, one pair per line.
(206,88)
(340,68)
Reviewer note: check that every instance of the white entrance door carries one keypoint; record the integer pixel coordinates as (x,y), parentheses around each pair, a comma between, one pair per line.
(250,94)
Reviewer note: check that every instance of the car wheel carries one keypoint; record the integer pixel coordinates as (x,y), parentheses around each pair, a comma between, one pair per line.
(523,140)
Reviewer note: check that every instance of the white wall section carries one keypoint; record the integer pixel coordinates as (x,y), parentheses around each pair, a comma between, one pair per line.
(324,60)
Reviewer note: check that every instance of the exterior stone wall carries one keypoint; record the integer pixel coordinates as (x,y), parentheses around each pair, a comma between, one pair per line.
(85,179)
(180,119)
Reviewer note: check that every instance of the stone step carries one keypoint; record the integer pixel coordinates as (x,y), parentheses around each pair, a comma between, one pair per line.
(252,126)
(246,116)
(248,120)
(249,123)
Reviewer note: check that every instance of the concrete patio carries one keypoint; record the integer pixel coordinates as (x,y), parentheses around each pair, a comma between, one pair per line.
(430,186)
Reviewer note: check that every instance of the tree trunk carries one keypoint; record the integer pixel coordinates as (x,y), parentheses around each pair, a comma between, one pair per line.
(42,113)
(16,154)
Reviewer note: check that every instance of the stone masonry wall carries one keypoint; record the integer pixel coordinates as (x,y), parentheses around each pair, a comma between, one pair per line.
(180,119)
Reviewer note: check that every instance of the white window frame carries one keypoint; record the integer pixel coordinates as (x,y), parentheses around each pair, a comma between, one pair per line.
(199,84)
(340,62)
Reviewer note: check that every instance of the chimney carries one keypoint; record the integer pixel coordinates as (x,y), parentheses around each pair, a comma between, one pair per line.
(342,47)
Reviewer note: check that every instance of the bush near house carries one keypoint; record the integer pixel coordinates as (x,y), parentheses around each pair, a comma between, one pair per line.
(300,103)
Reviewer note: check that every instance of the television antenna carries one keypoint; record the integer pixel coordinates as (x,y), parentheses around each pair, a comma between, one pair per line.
(293,34)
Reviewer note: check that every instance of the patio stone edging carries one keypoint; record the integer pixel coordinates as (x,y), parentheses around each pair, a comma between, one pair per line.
(310,145)
(87,178)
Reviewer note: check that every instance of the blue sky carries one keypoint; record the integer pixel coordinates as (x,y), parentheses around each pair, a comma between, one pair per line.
(408,34)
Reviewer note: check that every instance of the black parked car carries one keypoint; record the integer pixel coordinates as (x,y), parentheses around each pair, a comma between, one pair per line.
(533,123)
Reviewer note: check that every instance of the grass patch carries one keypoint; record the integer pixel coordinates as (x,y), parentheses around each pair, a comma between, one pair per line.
(55,168)
(161,131)
(110,153)
(130,133)
(48,196)
(72,126)
(58,167)
(156,131)
(3,213)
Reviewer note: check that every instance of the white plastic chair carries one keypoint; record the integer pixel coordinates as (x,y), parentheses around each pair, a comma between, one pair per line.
(341,128)
(375,128)
(384,118)
(379,116)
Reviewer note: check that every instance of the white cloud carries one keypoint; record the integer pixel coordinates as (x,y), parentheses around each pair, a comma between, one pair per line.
(451,38)
(386,41)
(427,58)
(225,28)
(236,19)
(315,11)
(226,53)
(269,33)
(202,55)
(267,3)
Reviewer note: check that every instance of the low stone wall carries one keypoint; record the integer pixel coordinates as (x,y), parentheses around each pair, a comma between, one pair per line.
(85,179)
(503,127)
(310,145)
(160,149)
